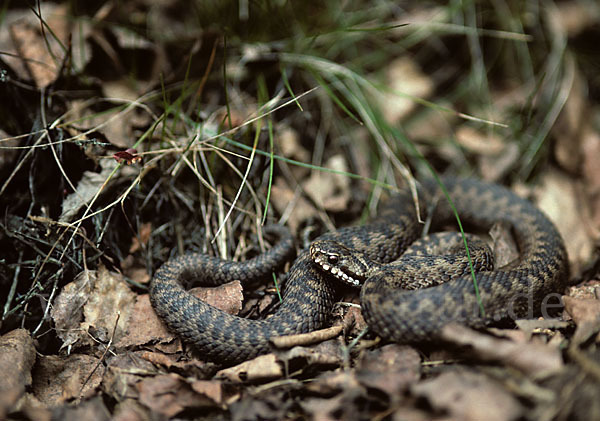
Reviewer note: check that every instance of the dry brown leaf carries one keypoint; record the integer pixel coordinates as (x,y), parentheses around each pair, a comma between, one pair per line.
(391,369)
(591,174)
(574,17)
(33,409)
(586,315)
(135,270)
(170,394)
(102,298)
(590,289)
(329,190)
(272,366)
(144,325)
(570,125)
(479,143)
(88,187)
(123,372)
(534,358)
(405,79)
(143,236)
(110,300)
(528,326)
(130,410)
(59,379)
(495,156)
(493,168)
(438,125)
(325,354)
(505,248)
(324,409)
(228,297)
(17,356)
(469,396)
(333,382)
(289,144)
(67,311)
(354,322)
(339,391)
(159,358)
(560,199)
(262,368)
(92,409)
(211,389)
(25,40)
(192,366)
(287,202)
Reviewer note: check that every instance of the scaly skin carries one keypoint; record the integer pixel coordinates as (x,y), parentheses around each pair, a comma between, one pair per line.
(398,315)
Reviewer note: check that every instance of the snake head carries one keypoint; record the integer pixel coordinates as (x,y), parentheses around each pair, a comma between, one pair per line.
(347,265)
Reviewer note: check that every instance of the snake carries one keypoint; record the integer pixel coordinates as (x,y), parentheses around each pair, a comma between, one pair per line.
(392,311)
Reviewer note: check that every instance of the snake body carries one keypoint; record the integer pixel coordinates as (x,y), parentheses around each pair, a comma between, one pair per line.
(395,314)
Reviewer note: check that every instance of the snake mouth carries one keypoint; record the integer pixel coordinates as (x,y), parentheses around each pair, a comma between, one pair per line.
(339,274)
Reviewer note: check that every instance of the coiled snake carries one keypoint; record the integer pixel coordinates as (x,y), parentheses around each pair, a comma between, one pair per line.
(396,314)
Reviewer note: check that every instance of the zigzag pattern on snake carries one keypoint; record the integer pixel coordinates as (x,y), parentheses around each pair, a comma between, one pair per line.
(397,315)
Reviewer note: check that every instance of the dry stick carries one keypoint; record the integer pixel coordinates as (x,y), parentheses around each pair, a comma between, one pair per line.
(106,349)
(221,239)
(47,309)
(21,136)
(309,338)
(64,174)
(13,286)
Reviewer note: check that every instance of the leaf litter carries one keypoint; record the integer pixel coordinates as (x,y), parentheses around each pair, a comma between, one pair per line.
(87,220)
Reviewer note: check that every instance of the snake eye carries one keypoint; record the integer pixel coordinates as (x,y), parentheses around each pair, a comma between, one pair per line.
(332,259)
